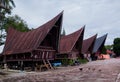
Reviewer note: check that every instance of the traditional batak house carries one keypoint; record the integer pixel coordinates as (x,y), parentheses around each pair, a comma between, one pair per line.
(87,46)
(99,44)
(37,46)
(70,45)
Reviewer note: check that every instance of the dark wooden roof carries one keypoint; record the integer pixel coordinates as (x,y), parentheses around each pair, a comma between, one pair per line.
(68,42)
(99,43)
(88,44)
(21,42)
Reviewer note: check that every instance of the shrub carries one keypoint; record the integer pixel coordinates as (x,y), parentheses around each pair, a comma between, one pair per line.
(82,61)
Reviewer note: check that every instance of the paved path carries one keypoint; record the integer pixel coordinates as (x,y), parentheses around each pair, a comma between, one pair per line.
(96,71)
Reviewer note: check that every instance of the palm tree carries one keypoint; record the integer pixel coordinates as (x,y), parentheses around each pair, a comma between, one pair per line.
(5,8)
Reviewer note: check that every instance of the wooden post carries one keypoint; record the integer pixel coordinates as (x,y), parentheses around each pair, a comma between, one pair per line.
(5,63)
(21,66)
(33,66)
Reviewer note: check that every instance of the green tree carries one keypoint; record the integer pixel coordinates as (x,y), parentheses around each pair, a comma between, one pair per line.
(6,7)
(109,47)
(104,50)
(14,22)
(116,46)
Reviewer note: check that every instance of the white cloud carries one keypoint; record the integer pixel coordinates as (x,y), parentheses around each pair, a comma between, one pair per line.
(99,16)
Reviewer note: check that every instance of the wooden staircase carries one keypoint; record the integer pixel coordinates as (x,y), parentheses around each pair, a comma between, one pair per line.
(46,64)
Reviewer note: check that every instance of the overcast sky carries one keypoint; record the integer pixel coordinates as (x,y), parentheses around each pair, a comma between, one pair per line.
(99,16)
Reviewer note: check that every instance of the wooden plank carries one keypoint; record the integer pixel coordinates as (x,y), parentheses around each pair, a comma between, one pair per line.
(46,64)
(50,64)
(47,54)
(45,49)
(43,55)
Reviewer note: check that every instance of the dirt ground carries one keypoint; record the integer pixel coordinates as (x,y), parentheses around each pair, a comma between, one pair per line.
(95,71)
